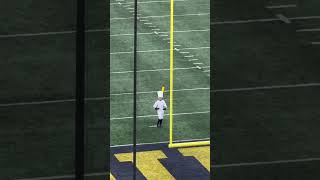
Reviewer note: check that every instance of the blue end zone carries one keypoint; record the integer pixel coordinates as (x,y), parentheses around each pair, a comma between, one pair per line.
(179,166)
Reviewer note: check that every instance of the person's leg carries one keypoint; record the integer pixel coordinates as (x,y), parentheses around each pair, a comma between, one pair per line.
(158,123)
(161,122)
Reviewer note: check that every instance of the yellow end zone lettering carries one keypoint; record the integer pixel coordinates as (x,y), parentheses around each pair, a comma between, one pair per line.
(148,163)
(202,154)
(111,177)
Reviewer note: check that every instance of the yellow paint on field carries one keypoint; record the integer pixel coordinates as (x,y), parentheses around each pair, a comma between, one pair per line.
(111,177)
(148,164)
(202,154)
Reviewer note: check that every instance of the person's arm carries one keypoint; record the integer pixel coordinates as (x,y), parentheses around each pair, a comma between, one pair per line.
(164,105)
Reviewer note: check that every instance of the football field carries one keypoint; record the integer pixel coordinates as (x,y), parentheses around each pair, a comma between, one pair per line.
(191,70)
(37,94)
(266,84)
(191,88)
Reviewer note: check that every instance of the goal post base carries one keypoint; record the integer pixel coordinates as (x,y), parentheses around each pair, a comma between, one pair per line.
(189,144)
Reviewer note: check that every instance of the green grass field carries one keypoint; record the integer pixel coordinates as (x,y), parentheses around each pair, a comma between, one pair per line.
(38,86)
(191,83)
(261,128)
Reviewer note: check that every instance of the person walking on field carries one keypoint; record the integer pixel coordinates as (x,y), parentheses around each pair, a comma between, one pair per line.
(160,106)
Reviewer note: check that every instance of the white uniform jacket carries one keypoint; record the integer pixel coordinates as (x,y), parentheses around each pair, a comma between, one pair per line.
(160,104)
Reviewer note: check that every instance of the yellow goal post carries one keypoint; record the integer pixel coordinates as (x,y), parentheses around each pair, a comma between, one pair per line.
(173,144)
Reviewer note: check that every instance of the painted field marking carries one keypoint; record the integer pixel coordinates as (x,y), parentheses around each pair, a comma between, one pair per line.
(308,30)
(282,6)
(283,18)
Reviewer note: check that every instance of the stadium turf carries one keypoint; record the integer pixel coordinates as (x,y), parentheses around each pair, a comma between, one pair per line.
(272,127)
(191,98)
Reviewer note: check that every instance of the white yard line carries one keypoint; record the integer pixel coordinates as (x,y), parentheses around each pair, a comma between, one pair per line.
(177,90)
(269,87)
(148,2)
(161,16)
(149,92)
(308,30)
(156,50)
(283,18)
(262,20)
(151,70)
(201,14)
(89,99)
(48,33)
(282,6)
(152,115)
(151,33)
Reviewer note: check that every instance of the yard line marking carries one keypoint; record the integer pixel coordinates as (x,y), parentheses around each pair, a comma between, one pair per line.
(177,45)
(305,17)
(153,126)
(161,142)
(308,30)
(48,33)
(156,50)
(198,63)
(184,52)
(149,92)
(177,90)
(151,70)
(281,6)
(90,30)
(147,23)
(164,35)
(268,87)
(36,34)
(283,18)
(147,2)
(154,115)
(245,21)
(193,59)
(189,56)
(143,20)
(265,163)
(206,70)
(186,31)
(262,20)
(161,16)
(157,29)
(87,99)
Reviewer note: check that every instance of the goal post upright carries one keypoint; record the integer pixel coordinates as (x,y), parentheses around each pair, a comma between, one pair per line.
(171,142)
(171,73)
